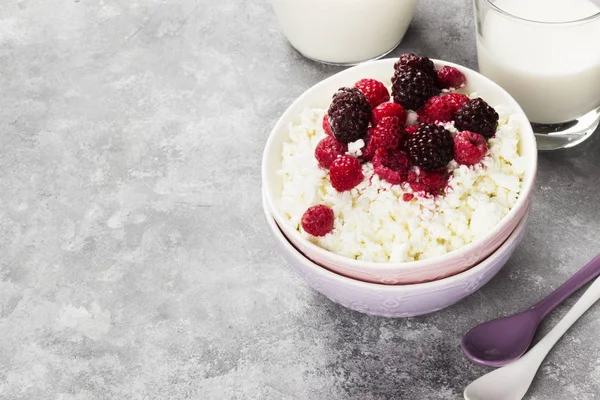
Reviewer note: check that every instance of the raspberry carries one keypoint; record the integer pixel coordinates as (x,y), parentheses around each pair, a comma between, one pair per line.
(326,126)
(441,108)
(456,98)
(388,110)
(412,61)
(349,115)
(411,129)
(430,182)
(328,150)
(407,197)
(450,77)
(469,148)
(375,91)
(412,175)
(318,220)
(391,165)
(412,88)
(477,116)
(431,147)
(345,173)
(387,135)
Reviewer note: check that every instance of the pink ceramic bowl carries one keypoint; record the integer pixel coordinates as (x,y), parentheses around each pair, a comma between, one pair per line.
(319,96)
(396,300)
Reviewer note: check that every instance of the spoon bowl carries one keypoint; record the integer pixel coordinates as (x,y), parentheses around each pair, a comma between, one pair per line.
(500,341)
(507,383)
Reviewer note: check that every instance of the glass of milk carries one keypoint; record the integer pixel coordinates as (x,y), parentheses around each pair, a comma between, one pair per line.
(546,54)
(344,32)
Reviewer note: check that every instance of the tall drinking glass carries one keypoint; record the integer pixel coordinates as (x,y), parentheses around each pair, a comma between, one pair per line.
(546,54)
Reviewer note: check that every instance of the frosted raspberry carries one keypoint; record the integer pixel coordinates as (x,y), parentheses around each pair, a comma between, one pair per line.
(318,220)
(345,173)
(450,77)
(387,135)
(469,148)
(375,91)
(391,165)
(388,110)
(328,150)
(441,108)
(430,182)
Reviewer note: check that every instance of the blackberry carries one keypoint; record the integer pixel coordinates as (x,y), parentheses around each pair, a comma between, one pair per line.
(431,147)
(477,116)
(412,61)
(349,115)
(412,88)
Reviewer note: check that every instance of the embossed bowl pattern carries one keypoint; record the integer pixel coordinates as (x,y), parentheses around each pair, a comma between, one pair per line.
(395,300)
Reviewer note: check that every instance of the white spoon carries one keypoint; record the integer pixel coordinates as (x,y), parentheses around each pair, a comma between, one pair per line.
(512,381)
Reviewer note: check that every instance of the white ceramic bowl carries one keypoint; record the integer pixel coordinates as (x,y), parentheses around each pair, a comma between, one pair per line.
(319,96)
(395,300)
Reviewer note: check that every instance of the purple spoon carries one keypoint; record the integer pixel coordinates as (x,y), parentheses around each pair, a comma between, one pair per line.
(500,341)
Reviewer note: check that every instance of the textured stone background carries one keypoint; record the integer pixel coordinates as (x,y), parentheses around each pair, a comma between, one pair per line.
(134,257)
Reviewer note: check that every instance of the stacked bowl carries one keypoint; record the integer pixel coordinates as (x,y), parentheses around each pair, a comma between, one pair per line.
(396,289)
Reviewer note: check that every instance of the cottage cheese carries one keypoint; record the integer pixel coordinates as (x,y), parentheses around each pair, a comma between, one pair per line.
(373,223)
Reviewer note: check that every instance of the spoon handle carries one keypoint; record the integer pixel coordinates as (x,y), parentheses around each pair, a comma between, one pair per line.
(540,350)
(581,277)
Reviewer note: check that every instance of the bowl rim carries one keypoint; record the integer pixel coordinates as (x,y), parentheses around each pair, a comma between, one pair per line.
(456,278)
(408,266)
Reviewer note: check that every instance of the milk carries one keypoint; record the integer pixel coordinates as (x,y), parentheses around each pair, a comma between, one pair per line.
(344,31)
(552,70)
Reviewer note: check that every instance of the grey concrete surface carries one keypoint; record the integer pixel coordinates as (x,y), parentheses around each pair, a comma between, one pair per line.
(134,258)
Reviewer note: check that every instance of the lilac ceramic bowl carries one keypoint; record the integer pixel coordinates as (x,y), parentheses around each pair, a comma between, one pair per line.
(408,272)
(399,300)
